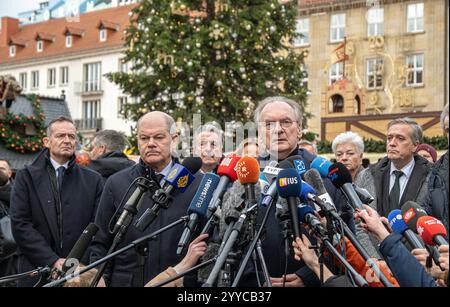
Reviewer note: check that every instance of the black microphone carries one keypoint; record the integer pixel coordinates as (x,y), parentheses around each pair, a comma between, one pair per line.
(179,177)
(73,259)
(198,207)
(342,179)
(271,191)
(307,215)
(313,177)
(399,226)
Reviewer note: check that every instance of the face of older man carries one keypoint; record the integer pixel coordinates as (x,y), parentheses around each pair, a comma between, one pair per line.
(154,140)
(209,148)
(400,147)
(280,129)
(62,141)
(4,167)
(348,154)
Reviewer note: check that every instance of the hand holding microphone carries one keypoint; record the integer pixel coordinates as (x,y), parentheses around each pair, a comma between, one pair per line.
(371,221)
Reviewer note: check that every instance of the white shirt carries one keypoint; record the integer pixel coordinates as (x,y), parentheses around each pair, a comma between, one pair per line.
(407,172)
(165,172)
(56,165)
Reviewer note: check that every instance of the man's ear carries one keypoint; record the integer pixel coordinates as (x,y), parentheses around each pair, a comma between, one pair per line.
(46,141)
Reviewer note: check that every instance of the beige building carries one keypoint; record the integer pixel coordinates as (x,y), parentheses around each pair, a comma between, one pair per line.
(397,63)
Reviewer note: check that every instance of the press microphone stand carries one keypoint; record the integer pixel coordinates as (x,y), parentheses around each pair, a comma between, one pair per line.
(256,243)
(43,272)
(332,214)
(133,244)
(237,228)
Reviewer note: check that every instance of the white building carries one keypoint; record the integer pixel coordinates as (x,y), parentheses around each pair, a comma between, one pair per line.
(67,57)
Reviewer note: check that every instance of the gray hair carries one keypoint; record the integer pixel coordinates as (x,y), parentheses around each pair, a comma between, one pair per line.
(58,120)
(246,142)
(348,137)
(417,133)
(111,139)
(212,127)
(444,115)
(266,101)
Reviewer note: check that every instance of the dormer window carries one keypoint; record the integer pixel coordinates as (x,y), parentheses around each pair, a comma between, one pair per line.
(12,51)
(39,45)
(68,41)
(103,35)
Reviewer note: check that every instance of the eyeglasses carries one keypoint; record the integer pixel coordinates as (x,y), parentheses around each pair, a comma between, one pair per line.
(285,123)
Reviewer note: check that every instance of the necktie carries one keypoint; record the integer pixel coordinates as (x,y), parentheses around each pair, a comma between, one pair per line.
(159,177)
(394,196)
(60,174)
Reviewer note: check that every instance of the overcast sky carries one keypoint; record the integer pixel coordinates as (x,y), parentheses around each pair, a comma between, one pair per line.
(13,7)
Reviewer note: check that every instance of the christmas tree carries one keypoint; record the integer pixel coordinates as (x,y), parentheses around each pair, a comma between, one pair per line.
(215,58)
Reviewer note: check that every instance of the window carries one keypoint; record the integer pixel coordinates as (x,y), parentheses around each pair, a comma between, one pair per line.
(302,27)
(51,77)
(337,28)
(336,104)
(92,74)
(414,65)
(91,114)
(35,79)
(415,17)
(64,75)
(23,80)
(123,66)
(374,73)
(102,35)
(375,20)
(68,40)
(39,46)
(121,106)
(336,72)
(12,51)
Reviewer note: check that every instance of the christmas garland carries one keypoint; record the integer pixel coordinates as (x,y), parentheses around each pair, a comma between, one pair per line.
(19,143)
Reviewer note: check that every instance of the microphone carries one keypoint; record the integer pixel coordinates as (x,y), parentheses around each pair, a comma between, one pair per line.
(289,187)
(322,165)
(179,177)
(298,163)
(247,170)
(211,251)
(307,215)
(272,190)
(313,177)
(342,179)
(198,207)
(399,226)
(411,212)
(227,173)
(73,259)
(432,231)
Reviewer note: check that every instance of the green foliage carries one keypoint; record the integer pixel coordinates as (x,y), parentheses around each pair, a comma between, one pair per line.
(190,57)
(438,142)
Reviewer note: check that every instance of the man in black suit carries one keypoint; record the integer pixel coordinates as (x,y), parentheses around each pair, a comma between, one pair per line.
(156,137)
(52,201)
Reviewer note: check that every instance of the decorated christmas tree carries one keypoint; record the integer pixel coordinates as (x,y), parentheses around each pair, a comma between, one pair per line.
(215,58)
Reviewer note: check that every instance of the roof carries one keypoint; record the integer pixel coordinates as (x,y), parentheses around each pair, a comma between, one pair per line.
(52,108)
(55,28)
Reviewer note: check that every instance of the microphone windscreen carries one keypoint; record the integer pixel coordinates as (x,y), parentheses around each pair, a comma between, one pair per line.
(227,167)
(211,252)
(232,203)
(428,227)
(411,212)
(396,221)
(305,190)
(80,247)
(203,196)
(286,164)
(288,183)
(322,165)
(303,210)
(339,174)
(193,164)
(298,163)
(247,170)
(313,177)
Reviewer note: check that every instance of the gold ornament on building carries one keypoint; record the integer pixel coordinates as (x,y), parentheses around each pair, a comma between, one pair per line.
(376,42)
(179,9)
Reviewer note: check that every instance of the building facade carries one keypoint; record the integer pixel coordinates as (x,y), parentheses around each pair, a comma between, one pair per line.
(396,55)
(68,58)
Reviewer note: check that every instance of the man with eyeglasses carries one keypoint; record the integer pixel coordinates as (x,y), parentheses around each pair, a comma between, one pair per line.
(436,201)
(52,202)
(279,132)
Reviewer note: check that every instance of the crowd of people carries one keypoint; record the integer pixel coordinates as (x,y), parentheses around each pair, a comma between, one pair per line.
(51,201)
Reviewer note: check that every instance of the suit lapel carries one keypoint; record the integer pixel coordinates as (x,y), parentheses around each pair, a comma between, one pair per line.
(415,182)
